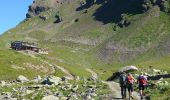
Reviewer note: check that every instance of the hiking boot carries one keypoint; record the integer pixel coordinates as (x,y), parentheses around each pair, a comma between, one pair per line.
(124,97)
(142,97)
(132,97)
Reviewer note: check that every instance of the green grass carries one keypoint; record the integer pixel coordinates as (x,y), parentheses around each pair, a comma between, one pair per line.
(9,58)
(145,30)
(159,92)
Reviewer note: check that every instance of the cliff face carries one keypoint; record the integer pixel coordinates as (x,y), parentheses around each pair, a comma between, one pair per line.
(39,6)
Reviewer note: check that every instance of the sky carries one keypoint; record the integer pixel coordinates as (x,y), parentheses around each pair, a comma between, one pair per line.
(12,12)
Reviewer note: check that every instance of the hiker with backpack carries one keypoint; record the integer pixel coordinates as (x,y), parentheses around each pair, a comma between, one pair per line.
(130,81)
(142,81)
(122,82)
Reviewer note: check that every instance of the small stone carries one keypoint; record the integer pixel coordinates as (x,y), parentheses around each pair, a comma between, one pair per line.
(50,97)
(63,98)
(2,83)
(29,91)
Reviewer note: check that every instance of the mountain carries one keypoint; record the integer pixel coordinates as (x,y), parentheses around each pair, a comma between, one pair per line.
(100,34)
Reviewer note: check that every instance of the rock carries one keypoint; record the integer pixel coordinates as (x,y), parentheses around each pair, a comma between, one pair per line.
(60,94)
(78,78)
(29,91)
(37,79)
(64,78)
(50,97)
(53,80)
(13,99)
(5,96)
(166,83)
(76,20)
(58,19)
(75,88)
(156,70)
(35,86)
(22,78)
(2,83)
(43,17)
(88,97)
(68,86)
(128,68)
(63,98)
(92,86)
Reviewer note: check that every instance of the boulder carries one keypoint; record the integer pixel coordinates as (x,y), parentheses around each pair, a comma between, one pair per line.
(22,78)
(128,68)
(52,80)
(50,97)
(2,83)
(156,70)
(64,98)
(37,79)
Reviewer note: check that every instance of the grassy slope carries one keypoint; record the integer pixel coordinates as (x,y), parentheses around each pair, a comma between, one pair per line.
(76,56)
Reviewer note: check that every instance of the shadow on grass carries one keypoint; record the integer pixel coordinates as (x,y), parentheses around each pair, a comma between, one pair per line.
(111,10)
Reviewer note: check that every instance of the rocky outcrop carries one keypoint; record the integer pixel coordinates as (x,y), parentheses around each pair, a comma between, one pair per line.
(35,10)
(41,6)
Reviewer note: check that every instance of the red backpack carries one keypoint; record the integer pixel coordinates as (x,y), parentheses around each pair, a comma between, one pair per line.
(142,80)
(130,80)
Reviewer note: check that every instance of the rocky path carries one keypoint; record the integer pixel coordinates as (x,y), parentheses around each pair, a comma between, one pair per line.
(114,87)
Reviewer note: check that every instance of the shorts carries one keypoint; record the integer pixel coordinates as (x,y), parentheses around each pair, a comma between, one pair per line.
(141,87)
(130,87)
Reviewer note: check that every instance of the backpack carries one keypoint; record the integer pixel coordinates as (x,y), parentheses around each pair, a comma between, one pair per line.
(142,80)
(122,79)
(129,80)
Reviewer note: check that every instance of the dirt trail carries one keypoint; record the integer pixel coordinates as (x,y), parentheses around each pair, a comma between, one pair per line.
(54,66)
(68,74)
(114,87)
(94,75)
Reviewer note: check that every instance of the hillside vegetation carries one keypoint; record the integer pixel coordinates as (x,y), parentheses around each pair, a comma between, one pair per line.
(103,35)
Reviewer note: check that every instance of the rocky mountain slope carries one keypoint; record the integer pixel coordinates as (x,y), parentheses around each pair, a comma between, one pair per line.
(99,34)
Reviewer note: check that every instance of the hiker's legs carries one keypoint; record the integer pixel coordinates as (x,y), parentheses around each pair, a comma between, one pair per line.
(128,87)
(125,91)
(122,93)
(130,90)
(141,90)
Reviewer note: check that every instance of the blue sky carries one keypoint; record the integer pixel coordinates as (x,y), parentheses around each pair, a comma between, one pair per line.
(12,12)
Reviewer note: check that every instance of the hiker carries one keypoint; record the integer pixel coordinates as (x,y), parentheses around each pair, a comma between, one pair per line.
(130,81)
(142,81)
(122,82)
